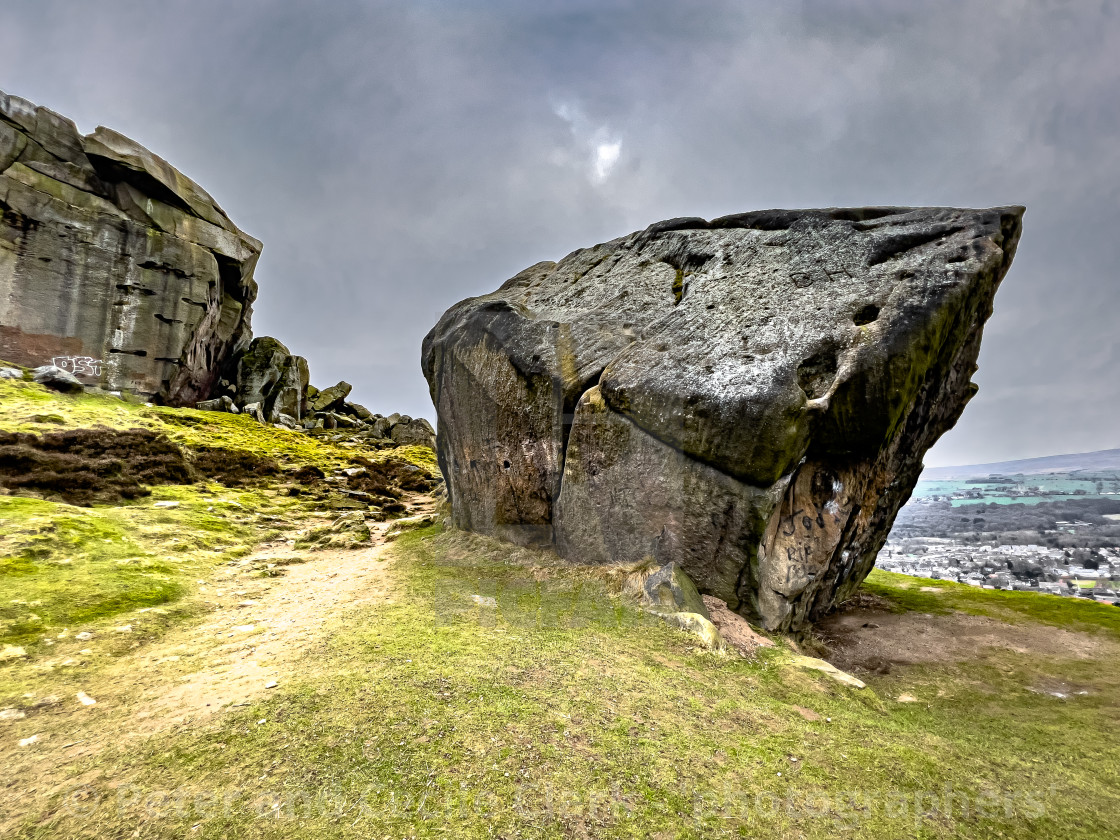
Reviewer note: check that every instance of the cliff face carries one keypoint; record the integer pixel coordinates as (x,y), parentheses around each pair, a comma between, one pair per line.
(113,264)
(749,398)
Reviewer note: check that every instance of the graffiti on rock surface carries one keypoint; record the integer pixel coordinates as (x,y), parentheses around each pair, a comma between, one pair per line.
(78,365)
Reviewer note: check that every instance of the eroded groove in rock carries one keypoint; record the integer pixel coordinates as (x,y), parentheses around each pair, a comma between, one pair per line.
(761,426)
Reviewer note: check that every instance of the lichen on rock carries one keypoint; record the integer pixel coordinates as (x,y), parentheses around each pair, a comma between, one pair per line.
(749,398)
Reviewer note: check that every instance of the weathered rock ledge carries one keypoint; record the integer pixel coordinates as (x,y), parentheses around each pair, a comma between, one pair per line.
(115,266)
(749,398)
(118,272)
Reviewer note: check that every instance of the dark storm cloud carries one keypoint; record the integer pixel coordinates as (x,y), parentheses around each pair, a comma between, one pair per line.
(396,157)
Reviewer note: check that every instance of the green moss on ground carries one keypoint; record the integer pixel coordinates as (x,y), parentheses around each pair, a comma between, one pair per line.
(72,568)
(501,694)
(64,567)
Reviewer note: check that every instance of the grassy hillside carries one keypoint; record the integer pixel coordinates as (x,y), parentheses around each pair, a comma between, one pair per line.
(62,565)
(490,691)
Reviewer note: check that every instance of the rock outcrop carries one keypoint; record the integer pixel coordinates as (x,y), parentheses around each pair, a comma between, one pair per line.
(748,398)
(272,386)
(119,272)
(330,399)
(270,375)
(114,266)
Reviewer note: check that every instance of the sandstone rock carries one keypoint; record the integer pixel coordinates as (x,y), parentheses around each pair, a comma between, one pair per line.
(665,588)
(270,375)
(359,411)
(698,625)
(225,404)
(749,397)
(113,265)
(57,379)
(341,421)
(416,432)
(382,427)
(329,398)
(812,664)
(10,373)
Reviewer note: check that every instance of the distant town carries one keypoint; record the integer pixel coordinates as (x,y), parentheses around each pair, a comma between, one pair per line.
(1048,531)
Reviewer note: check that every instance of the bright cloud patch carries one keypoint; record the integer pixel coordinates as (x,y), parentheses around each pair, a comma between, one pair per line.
(602,148)
(606,156)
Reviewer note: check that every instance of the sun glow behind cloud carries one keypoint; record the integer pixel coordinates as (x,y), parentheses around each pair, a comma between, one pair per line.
(606,156)
(600,149)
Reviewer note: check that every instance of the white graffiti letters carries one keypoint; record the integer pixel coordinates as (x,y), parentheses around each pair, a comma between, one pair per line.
(78,365)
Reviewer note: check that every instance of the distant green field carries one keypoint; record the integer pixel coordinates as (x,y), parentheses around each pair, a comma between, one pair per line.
(1028,489)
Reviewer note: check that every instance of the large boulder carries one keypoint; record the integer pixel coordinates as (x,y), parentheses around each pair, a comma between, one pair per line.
(748,398)
(413,431)
(329,398)
(270,375)
(114,266)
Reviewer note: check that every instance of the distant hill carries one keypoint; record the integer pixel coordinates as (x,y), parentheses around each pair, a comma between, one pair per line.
(1106,459)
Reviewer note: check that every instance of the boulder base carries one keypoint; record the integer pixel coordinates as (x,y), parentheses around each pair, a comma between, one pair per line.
(748,398)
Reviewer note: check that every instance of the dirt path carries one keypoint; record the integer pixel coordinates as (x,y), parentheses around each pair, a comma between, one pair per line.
(244,648)
(257,630)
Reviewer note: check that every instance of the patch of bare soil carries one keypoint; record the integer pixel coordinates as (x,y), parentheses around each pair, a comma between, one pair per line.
(259,633)
(872,640)
(249,644)
(734,629)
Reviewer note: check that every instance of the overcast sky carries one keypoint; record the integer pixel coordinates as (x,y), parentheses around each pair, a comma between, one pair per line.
(395,157)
